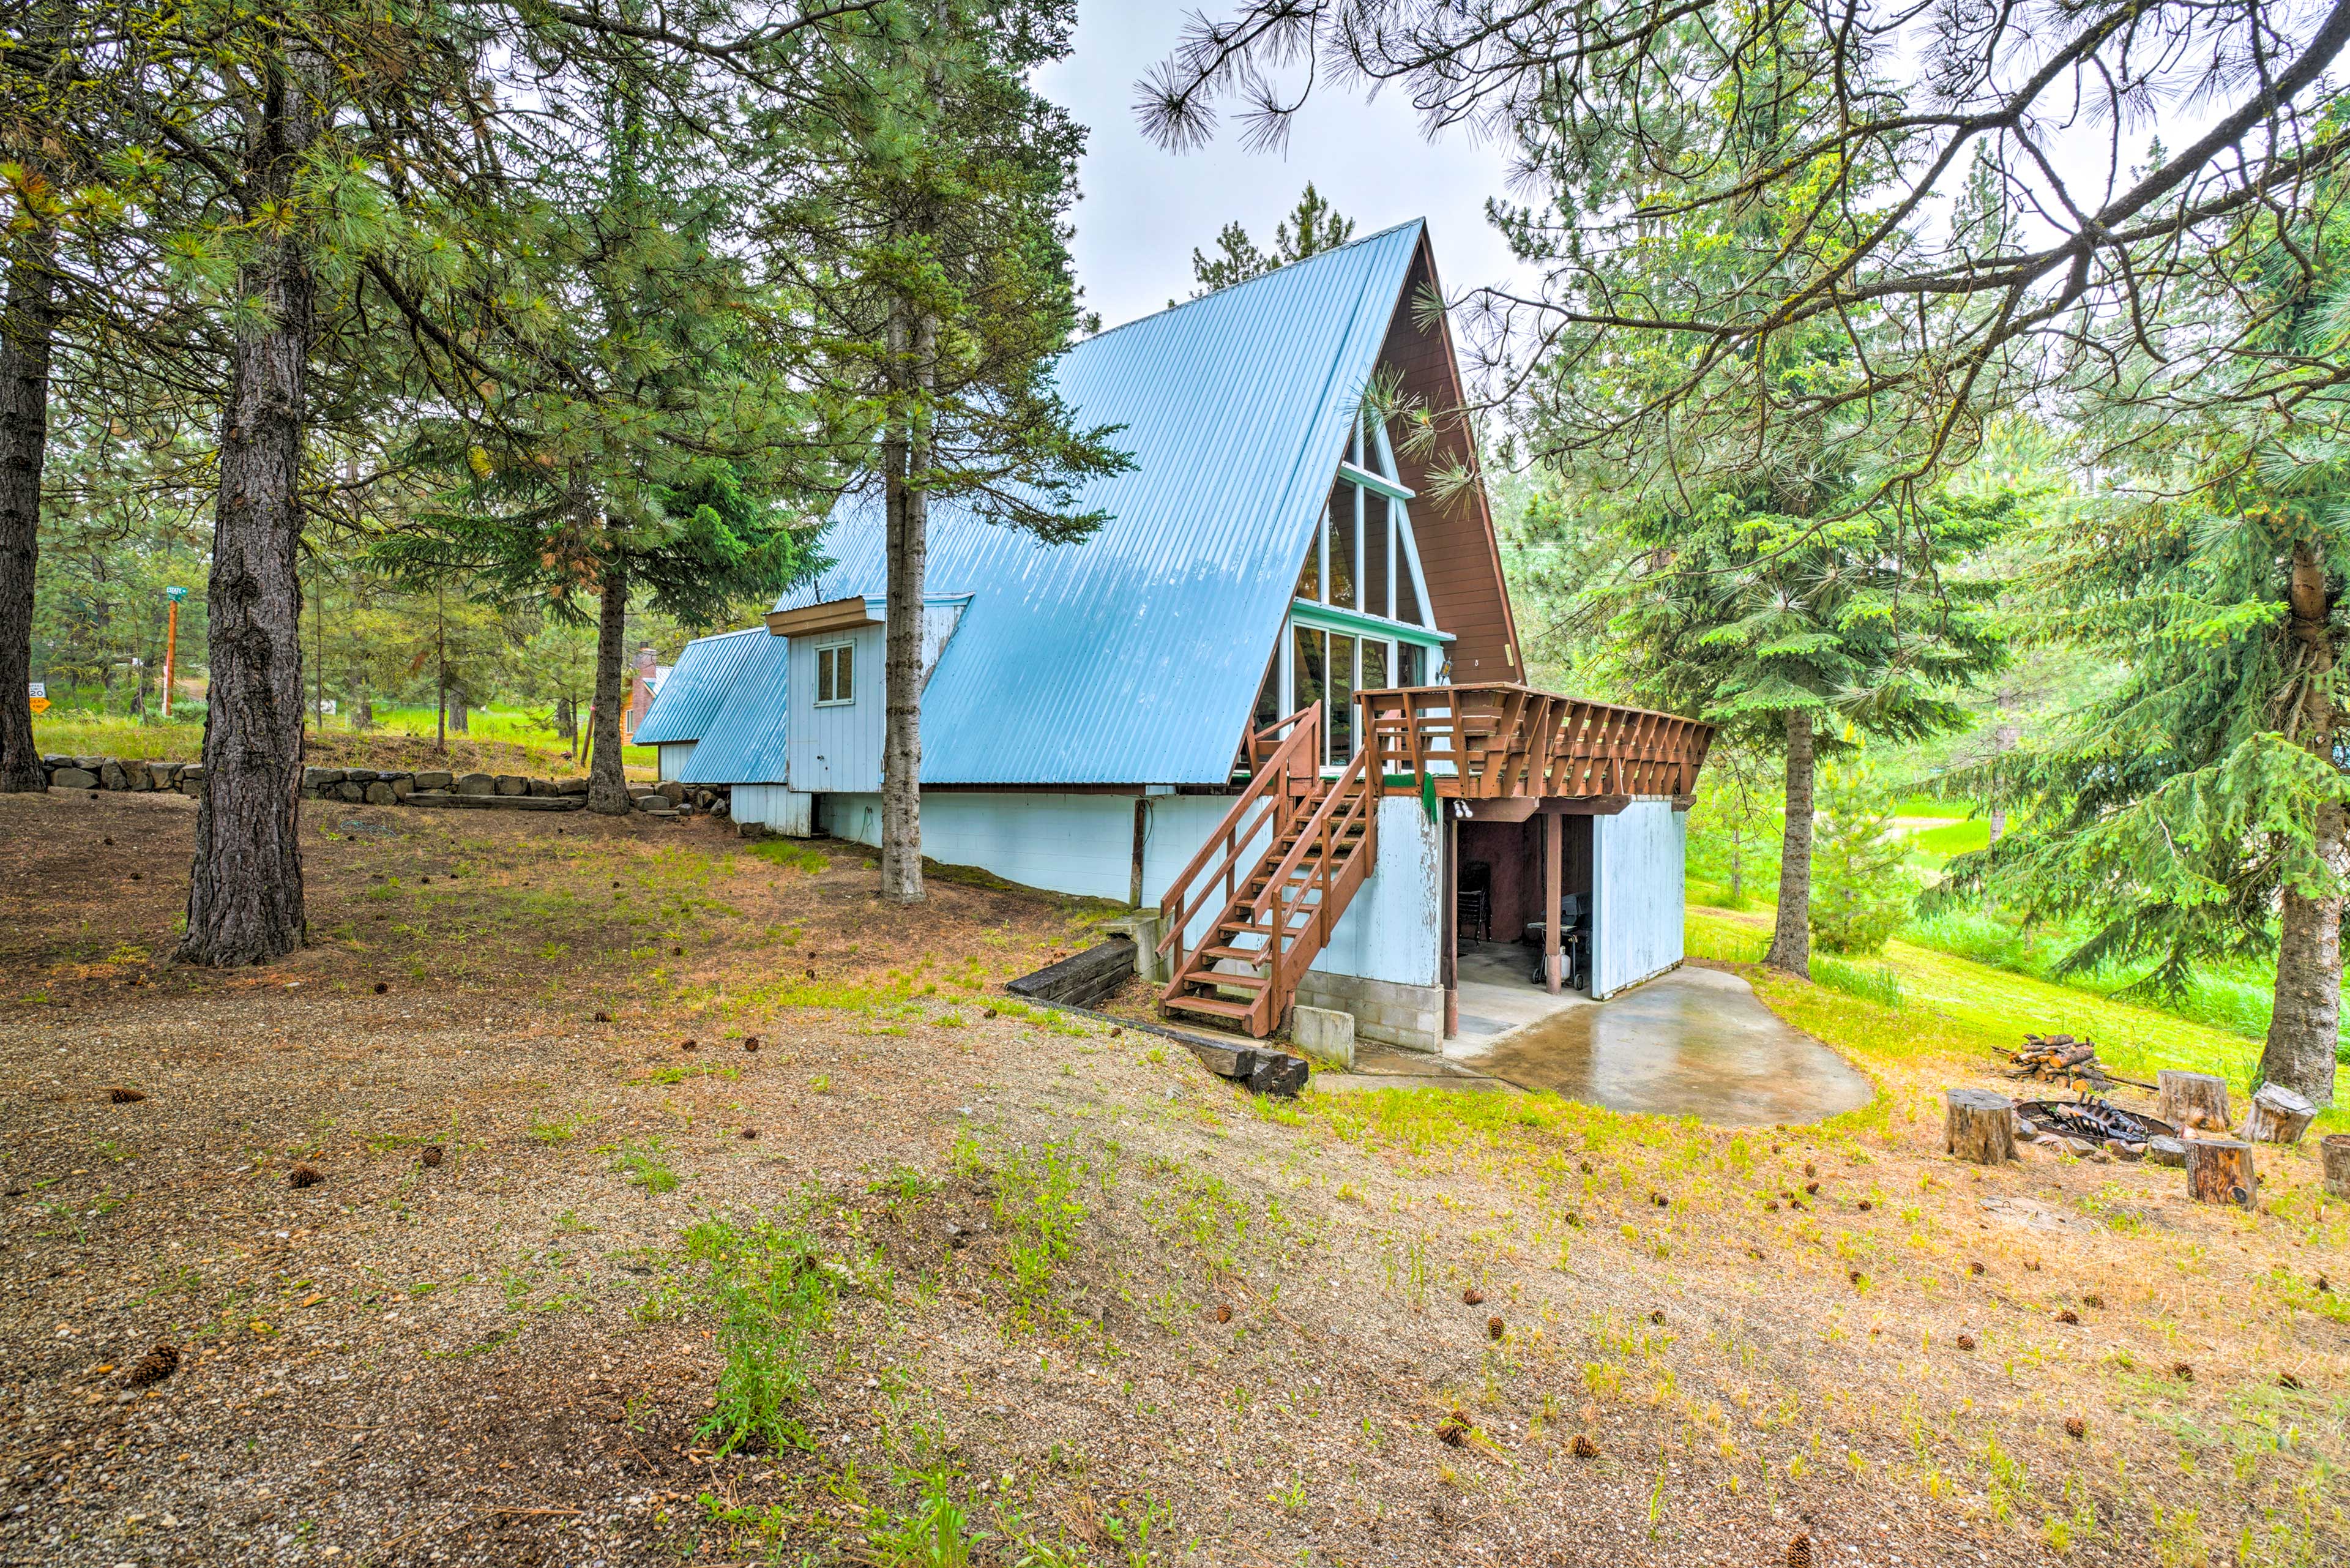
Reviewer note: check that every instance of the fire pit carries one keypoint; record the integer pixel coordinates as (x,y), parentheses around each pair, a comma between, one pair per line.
(2092,1119)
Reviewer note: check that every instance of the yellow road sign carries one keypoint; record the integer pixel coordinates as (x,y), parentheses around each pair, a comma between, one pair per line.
(40,704)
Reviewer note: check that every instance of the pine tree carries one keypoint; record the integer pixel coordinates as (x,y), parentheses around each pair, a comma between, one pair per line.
(940,273)
(1310,228)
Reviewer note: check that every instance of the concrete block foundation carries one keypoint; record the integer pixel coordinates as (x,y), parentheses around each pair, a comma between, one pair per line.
(1409,1017)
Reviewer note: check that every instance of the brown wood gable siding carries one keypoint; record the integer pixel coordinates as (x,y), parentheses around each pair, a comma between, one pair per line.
(1458,552)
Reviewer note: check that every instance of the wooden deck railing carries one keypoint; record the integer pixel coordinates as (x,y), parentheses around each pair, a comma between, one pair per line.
(1481,742)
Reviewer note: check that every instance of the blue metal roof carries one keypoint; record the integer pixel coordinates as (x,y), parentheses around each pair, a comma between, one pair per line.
(1135,656)
(744,742)
(704,673)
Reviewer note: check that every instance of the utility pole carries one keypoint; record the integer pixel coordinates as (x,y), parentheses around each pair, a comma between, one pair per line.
(170,644)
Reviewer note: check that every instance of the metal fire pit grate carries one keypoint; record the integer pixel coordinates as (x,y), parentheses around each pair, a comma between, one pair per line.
(2093,1119)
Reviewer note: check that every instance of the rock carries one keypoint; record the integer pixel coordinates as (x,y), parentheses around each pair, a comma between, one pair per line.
(2079,1146)
(136,777)
(477,784)
(90,764)
(351,791)
(571,786)
(361,776)
(56,760)
(2166,1151)
(434,779)
(544,787)
(704,799)
(673,791)
(319,778)
(382,795)
(73,778)
(191,779)
(649,800)
(512,783)
(402,787)
(111,776)
(2121,1150)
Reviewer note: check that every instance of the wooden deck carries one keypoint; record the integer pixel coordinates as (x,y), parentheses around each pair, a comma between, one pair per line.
(1497,741)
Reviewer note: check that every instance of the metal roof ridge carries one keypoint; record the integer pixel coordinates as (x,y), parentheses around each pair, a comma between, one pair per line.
(1276,271)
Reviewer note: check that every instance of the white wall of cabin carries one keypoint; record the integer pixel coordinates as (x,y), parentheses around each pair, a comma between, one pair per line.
(1637,891)
(673,756)
(1084,844)
(774,807)
(837,747)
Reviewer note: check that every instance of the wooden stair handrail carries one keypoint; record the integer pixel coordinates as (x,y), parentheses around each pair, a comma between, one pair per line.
(1352,786)
(1304,742)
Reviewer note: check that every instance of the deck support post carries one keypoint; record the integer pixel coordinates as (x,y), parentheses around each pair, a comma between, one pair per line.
(1553,898)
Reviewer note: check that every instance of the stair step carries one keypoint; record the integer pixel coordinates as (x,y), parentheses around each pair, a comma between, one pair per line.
(1214,1007)
(1218,977)
(1245,955)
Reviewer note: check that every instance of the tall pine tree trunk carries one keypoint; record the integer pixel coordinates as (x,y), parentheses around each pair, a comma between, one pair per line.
(906,456)
(2305,1022)
(607,779)
(28,323)
(26,328)
(245,885)
(1791,937)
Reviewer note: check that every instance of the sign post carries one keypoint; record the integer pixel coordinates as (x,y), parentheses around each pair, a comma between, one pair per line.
(170,644)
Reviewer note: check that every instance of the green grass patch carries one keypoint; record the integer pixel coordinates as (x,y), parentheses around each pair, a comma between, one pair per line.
(1952,1007)
(791,856)
(764,1280)
(1954,838)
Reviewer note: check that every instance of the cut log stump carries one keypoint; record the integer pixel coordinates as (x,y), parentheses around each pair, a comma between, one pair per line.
(2193,1100)
(2219,1171)
(2335,1151)
(2278,1116)
(1980,1126)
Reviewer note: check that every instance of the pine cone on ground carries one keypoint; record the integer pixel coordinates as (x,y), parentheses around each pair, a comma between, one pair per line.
(750,1042)
(1799,1551)
(1584,1448)
(433,1155)
(1472,1297)
(1494,1327)
(125,1096)
(303,1176)
(154,1367)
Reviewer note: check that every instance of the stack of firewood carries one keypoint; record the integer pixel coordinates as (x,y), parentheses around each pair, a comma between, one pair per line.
(2059,1059)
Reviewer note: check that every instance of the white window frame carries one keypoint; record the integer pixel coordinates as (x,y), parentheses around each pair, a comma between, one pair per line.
(835,648)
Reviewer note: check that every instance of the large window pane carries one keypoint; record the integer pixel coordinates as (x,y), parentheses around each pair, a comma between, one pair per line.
(1305,669)
(1340,563)
(1410,664)
(1379,547)
(1374,664)
(1406,601)
(1268,696)
(1342,697)
(1309,576)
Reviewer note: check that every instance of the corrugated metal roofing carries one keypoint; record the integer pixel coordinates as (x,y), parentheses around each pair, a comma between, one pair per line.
(689,695)
(744,742)
(1135,656)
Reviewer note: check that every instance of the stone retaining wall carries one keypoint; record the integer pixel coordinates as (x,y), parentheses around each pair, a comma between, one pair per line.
(372,786)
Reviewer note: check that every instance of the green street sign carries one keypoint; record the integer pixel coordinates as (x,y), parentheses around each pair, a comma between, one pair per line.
(175,594)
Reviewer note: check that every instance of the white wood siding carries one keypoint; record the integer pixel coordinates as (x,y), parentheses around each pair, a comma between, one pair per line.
(674,755)
(784,811)
(1636,871)
(837,747)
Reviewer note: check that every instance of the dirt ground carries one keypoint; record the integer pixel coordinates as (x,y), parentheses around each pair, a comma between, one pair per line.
(1094,1304)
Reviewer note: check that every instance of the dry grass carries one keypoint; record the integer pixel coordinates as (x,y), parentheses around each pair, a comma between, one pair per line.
(1019,1275)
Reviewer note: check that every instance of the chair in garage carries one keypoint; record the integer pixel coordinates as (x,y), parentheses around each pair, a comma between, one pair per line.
(1473,902)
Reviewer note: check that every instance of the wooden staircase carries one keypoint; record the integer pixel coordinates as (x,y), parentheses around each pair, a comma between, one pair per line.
(1285,860)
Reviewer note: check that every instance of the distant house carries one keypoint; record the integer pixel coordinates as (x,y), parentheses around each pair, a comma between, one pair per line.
(645,680)
(1278,697)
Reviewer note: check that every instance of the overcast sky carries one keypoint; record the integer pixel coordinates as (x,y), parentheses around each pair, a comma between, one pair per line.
(1145,210)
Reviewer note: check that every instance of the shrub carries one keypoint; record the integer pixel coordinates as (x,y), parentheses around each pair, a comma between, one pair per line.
(1861,889)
